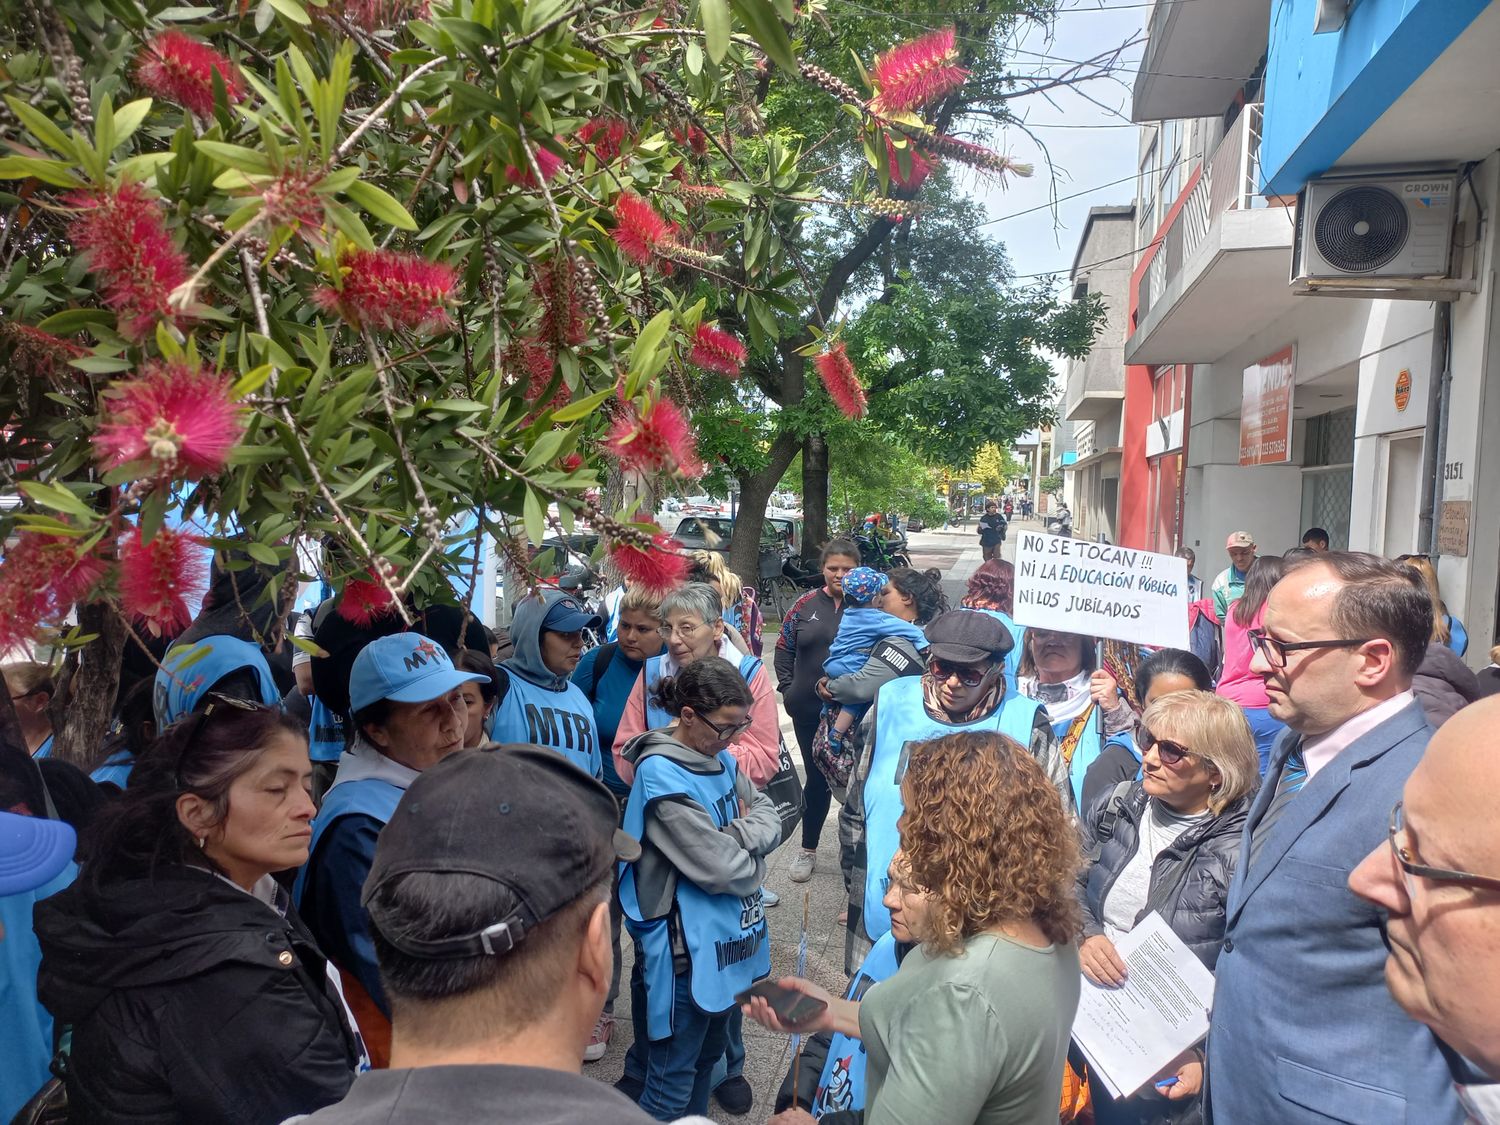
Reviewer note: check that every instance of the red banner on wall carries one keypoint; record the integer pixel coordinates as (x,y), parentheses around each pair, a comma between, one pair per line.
(1266,409)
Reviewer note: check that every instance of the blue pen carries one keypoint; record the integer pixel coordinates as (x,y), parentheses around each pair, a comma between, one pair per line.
(1166,1084)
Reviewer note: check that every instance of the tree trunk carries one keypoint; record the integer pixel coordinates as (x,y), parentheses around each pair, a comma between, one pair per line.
(815,530)
(755,495)
(89,685)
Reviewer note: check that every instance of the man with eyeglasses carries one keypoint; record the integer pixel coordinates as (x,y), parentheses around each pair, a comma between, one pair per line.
(1303,1029)
(964,688)
(1437,878)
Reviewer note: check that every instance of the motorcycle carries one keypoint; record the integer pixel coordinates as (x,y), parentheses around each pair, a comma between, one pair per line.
(882,554)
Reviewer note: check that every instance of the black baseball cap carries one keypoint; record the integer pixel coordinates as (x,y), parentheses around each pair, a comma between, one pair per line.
(968,636)
(522,816)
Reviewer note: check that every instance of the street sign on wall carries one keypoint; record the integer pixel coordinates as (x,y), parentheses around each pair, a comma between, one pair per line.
(1266,409)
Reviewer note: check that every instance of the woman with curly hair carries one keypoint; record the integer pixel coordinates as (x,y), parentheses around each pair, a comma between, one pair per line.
(974,1025)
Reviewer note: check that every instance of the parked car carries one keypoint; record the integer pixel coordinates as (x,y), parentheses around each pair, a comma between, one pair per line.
(713,533)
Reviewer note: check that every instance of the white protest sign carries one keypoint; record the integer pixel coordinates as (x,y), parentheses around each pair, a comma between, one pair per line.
(1099,590)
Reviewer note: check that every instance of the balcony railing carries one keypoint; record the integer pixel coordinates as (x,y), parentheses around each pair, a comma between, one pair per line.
(1230,182)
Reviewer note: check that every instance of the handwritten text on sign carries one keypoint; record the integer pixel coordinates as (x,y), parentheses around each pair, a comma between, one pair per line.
(1074,586)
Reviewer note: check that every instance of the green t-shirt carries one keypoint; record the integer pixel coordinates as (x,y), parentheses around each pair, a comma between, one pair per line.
(981,1037)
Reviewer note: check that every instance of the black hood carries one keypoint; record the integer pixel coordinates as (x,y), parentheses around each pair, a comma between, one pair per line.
(141,932)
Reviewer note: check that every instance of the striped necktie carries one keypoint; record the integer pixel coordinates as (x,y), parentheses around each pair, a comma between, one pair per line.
(1293,777)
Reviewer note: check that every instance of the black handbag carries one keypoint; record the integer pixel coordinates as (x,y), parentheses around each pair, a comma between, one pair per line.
(785,789)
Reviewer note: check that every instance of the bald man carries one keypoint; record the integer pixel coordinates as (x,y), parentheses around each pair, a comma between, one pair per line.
(1438,878)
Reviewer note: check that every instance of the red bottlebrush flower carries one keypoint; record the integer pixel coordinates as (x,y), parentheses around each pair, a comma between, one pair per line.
(571,463)
(639,230)
(181,70)
(538,361)
(376,15)
(659,568)
(840,381)
(42,577)
(657,439)
(693,137)
(605,135)
(557,287)
(291,201)
(174,415)
(716,350)
(155,576)
(387,289)
(921,166)
(975,156)
(365,600)
(547,161)
(700,191)
(35,353)
(914,73)
(124,234)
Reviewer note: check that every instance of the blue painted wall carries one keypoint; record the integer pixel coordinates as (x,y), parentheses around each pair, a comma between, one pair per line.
(1324,91)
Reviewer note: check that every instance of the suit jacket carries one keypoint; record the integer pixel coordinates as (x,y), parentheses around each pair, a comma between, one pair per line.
(1303,1029)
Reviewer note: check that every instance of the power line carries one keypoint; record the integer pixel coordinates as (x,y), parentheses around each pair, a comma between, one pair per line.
(1061,198)
(1090,265)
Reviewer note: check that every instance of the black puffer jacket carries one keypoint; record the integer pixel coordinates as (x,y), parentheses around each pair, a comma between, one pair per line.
(190,1001)
(1189,881)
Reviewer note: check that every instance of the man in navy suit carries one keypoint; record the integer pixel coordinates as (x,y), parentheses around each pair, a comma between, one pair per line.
(1303,1029)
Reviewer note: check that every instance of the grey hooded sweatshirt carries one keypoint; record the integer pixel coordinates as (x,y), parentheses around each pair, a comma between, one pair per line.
(682,841)
(526,636)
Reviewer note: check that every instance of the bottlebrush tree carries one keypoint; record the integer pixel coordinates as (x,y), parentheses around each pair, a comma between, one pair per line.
(356,271)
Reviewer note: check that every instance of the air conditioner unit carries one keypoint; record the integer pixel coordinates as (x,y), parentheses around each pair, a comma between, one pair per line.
(1393,226)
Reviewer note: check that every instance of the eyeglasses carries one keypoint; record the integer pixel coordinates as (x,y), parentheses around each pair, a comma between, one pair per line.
(1275,651)
(970,675)
(216,702)
(667,632)
(1413,870)
(728,732)
(1171,753)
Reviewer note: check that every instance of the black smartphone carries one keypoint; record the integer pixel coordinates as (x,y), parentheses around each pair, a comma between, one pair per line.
(792,1008)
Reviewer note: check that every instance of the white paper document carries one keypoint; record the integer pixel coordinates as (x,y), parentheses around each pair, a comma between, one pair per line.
(1131,1033)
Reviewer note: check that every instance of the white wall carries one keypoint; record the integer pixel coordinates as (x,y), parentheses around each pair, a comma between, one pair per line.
(1265,501)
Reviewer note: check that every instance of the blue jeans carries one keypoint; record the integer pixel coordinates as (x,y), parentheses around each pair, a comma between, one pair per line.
(676,1070)
(1266,731)
(732,1063)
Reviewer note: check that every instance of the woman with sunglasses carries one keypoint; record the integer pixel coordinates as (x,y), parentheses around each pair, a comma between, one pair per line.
(1168,843)
(192,989)
(692,901)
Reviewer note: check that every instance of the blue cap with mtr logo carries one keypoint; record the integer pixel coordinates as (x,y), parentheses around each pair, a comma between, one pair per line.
(404,668)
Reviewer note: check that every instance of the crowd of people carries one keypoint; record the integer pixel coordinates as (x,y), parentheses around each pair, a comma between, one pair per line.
(401,872)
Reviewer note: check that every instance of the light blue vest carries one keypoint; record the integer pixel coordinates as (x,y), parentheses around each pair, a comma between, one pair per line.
(369,796)
(325,735)
(841,1088)
(1090,746)
(728,941)
(656,718)
(45,749)
(559,720)
(1013,657)
(115,769)
(900,720)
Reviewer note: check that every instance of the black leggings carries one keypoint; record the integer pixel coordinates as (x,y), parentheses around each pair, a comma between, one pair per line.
(816,796)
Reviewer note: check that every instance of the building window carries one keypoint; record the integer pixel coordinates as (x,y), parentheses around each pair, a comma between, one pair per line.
(1328,475)
(1146,194)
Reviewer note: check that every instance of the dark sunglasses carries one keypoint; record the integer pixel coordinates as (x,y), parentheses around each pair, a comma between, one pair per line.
(970,675)
(217,704)
(1171,753)
(728,731)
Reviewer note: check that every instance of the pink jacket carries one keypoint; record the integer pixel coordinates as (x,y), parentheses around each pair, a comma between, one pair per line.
(1237,682)
(757,751)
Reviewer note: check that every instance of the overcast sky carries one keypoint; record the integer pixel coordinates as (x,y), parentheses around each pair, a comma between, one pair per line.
(1090,144)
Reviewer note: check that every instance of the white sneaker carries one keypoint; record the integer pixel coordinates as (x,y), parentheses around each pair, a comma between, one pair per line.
(802,866)
(768,897)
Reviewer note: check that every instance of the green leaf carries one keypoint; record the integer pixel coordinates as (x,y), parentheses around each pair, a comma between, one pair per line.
(69,321)
(581,408)
(350,223)
(535,517)
(765,27)
(382,205)
(52,495)
(649,342)
(42,127)
(54,172)
(292,11)
(237,156)
(128,119)
(260,552)
(544,450)
(100,364)
(714,15)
